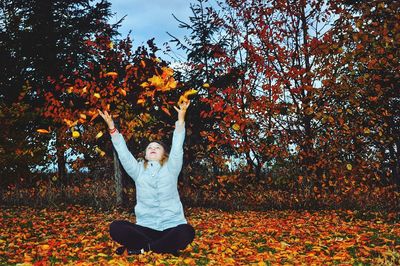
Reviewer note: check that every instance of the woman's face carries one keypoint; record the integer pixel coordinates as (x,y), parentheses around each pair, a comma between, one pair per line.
(154,152)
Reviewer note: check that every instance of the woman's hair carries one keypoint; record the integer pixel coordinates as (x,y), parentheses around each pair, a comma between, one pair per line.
(164,159)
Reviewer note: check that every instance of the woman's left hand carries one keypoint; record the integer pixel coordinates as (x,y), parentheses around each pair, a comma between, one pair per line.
(183,106)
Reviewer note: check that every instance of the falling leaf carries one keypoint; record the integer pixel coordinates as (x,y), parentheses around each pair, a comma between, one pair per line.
(189,92)
(185,95)
(97,95)
(171,84)
(349,167)
(141,101)
(206,85)
(165,109)
(83,116)
(122,91)
(99,135)
(99,151)
(156,81)
(182,99)
(236,127)
(43,131)
(75,134)
(111,74)
(70,123)
(144,85)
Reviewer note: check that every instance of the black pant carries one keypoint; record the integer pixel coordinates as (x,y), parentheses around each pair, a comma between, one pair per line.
(134,236)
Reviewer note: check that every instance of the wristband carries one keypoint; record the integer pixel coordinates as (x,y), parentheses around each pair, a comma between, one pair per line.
(112,131)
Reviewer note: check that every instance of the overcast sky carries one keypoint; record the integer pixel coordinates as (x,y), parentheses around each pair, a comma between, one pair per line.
(151,19)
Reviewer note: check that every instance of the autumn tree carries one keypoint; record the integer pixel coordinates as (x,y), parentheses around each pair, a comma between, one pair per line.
(262,91)
(41,39)
(136,87)
(198,71)
(362,73)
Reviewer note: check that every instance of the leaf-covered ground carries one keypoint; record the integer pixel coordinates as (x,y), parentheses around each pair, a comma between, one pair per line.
(79,236)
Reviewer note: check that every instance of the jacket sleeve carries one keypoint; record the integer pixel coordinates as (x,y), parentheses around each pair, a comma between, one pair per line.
(126,158)
(175,159)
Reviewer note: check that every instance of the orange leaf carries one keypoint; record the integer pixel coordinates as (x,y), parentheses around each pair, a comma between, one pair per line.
(94,117)
(111,74)
(122,91)
(166,110)
(44,131)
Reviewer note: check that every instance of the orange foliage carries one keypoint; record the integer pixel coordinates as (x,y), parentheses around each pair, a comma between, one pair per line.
(79,236)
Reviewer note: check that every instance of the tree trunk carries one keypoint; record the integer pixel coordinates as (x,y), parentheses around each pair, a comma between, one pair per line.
(61,168)
(117,179)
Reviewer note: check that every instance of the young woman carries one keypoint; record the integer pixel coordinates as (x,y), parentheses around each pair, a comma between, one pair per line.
(160,222)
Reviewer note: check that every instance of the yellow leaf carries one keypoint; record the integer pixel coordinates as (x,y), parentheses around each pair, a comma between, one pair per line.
(83,116)
(102,255)
(99,135)
(45,247)
(206,85)
(349,167)
(76,134)
(99,151)
(236,127)
(156,81)
(97,95)
(141,101)
(189,92)
(182,99)
(189,261)
(144,84)
(367,131)
(171,84)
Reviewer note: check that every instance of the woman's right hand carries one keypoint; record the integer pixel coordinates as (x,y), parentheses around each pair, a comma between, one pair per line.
(107,118)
